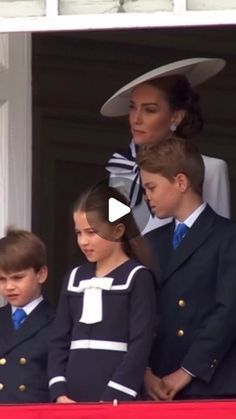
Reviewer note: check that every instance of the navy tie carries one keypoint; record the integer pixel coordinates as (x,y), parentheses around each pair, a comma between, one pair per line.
(179,234)
(18,317)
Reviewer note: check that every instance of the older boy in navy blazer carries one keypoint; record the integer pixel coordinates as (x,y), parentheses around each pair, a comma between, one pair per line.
(194,351)
(25,322)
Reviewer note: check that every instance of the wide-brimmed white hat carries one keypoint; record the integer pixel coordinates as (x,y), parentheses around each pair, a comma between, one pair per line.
(196,70)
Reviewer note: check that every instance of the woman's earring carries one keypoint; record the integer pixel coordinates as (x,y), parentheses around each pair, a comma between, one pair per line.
(173,127)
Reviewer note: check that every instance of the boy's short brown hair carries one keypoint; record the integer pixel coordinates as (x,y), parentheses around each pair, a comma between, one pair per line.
(173,156)
(21,249)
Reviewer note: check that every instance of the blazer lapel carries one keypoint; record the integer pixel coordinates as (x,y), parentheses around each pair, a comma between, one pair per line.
(6,321)
(39,317)
(195,237)
(160,248)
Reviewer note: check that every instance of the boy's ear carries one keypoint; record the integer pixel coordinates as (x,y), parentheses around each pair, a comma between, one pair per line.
(42,274)
(182,181)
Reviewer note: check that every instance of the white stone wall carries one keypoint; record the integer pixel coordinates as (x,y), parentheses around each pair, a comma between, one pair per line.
(54,8)
(211,4)
(113,6)
(47,15)
(22,8)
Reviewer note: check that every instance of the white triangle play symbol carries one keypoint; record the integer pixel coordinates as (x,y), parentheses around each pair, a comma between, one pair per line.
(116,209)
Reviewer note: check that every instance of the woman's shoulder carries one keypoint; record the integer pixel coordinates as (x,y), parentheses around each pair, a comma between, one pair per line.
(214,162)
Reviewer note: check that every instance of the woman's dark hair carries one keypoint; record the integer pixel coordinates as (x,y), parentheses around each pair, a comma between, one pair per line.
(95,200)
(181,96)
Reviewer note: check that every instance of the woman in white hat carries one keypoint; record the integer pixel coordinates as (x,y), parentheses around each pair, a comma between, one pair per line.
(158,103)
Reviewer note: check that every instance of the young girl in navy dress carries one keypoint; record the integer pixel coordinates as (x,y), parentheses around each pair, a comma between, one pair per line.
(105,319)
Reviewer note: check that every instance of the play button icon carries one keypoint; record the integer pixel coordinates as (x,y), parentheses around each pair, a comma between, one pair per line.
(116,210)
(107,206)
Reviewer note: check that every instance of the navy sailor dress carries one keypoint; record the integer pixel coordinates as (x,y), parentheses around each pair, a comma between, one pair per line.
(102,334)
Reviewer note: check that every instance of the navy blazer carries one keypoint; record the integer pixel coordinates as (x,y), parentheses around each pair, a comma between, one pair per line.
(23,356)
(197,304)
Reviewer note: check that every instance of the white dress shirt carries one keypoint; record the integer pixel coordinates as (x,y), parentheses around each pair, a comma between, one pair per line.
(28,308)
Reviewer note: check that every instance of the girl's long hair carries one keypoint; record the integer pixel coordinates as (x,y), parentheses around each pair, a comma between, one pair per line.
(96,200)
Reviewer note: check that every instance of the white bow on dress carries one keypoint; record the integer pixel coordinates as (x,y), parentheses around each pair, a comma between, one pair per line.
(92,302)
